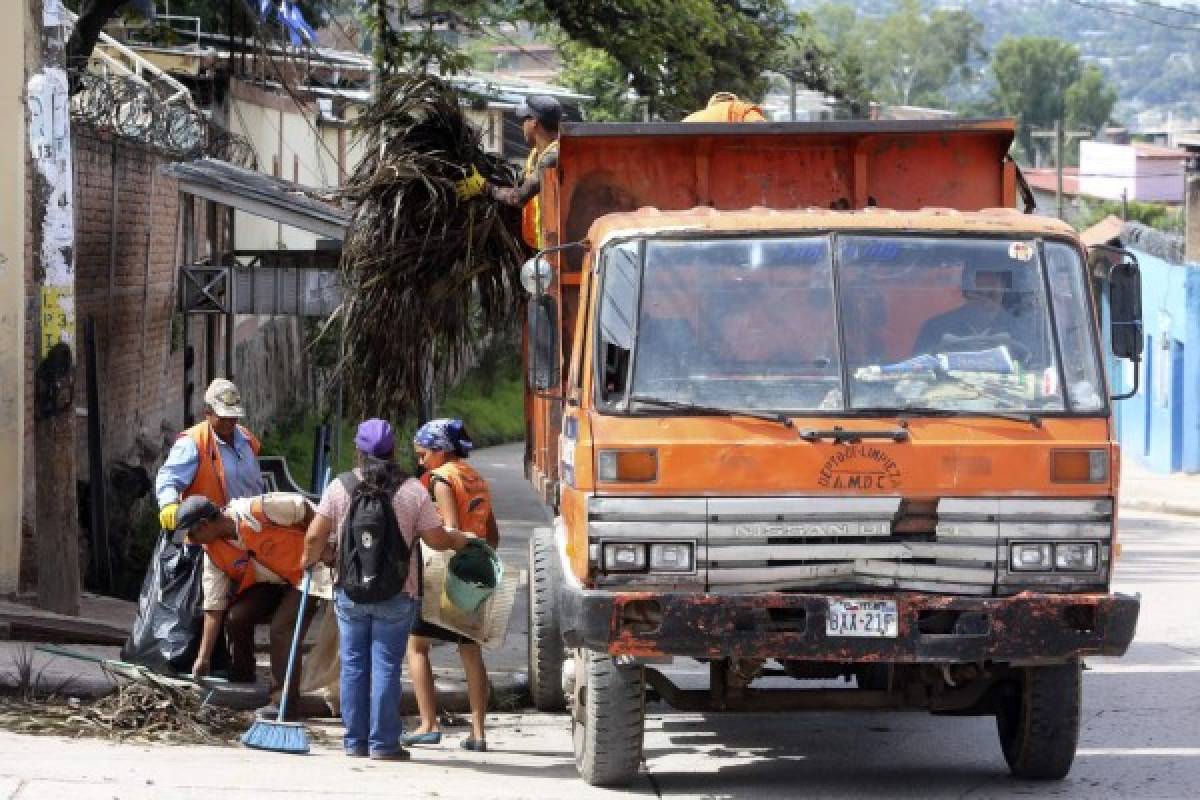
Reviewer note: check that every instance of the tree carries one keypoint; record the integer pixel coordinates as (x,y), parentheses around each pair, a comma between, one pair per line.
(676,53)
(1032,74)
(1090,100)
(908,57)
(1040,81)
(591,71)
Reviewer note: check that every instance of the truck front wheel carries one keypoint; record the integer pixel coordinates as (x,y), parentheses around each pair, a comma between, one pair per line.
(608,719)
(545,637)
(1038,721)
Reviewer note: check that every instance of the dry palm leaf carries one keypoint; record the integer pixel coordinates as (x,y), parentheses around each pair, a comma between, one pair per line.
(425,275)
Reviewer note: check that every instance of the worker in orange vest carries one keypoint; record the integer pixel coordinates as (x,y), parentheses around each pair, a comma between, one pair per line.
(464,501)
(254,552)
(539,115)
(726,107)
(217,458)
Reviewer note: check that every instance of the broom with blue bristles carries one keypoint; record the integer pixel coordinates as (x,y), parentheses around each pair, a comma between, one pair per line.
(277,735)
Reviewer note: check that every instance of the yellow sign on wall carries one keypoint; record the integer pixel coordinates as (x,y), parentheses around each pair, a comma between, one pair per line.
(57,318)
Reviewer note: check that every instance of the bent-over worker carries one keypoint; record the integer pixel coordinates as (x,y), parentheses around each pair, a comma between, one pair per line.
(726,107)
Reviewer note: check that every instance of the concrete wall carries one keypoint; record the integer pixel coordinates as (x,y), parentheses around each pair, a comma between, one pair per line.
(12,293)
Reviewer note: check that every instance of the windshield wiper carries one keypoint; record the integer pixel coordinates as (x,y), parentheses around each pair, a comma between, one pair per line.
(679,405)
(933,411)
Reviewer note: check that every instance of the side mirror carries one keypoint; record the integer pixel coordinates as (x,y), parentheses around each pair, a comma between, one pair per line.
(542,322)
(1125,310)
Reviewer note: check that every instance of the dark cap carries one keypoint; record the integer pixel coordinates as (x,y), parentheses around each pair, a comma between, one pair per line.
(542,107)
(193,511)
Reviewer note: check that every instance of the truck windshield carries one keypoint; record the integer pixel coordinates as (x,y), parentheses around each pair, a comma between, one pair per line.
(844,323)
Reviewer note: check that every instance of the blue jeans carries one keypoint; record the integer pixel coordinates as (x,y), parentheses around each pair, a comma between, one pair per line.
(372,642)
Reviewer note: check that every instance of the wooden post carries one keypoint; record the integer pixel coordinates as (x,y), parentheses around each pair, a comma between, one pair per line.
(57,519)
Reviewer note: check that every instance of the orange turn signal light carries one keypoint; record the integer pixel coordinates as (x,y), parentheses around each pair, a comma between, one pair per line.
(627,466)
(1079,466)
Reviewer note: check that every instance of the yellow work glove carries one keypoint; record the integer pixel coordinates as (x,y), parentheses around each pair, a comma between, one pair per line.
(166,516)
(470,186)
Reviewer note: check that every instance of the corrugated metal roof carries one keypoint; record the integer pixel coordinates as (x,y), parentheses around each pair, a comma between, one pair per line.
(262,195)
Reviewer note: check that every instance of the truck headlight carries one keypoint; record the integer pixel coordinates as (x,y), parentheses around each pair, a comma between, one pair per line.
(1031,556)
(672,557)
(624,557)
(1075,556)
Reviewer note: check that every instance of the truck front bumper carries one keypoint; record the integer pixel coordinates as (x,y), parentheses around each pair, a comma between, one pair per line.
(1027,628)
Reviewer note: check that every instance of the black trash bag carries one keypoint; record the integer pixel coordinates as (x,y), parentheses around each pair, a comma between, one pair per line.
(170,619)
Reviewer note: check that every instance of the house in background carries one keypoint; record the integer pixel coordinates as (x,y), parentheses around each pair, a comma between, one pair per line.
(1144,172)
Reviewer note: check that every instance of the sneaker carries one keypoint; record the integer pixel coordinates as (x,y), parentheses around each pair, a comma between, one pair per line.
(356,753)
(475,745)
(399,755)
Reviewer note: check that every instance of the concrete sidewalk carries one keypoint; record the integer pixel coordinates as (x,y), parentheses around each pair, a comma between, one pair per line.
(1143,490)
(517,513)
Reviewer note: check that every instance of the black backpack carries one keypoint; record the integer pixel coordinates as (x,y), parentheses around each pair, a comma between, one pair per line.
(373,557)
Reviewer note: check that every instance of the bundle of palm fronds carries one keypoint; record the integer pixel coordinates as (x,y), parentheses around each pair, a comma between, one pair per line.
(425,274)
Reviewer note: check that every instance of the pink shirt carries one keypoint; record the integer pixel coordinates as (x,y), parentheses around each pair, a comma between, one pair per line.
(414,509)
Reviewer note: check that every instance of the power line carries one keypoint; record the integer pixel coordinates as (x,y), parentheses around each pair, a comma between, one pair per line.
(1130,14)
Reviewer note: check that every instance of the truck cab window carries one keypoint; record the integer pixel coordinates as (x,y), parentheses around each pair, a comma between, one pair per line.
(618,315)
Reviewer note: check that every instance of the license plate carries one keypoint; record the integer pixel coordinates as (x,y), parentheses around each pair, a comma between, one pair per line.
(862,618)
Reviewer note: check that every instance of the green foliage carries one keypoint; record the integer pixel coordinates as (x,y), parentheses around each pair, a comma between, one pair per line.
(1032,74)
(589,70)
(490,400)
(676,53)
(1090,100)
(908,57)
(1168,219)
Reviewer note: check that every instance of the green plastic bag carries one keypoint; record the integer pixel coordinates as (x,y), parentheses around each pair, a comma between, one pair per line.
(472,575)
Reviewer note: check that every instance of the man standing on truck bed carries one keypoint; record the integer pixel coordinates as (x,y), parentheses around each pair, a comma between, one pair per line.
(539,115)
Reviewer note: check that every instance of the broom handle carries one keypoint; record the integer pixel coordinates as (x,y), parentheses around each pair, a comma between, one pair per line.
(287,681)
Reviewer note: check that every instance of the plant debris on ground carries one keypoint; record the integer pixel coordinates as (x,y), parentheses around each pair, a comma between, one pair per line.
(426,275)
(134,711)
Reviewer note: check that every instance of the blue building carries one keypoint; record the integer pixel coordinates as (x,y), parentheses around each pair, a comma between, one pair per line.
(1160,425)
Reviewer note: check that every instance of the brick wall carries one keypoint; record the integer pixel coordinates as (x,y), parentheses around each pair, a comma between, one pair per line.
(125,281)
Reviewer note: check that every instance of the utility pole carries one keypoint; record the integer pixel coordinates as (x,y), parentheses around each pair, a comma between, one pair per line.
(12,292)
(48,106)
(1060,135)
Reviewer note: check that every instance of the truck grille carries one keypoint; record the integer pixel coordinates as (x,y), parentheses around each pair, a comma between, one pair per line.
(953,545)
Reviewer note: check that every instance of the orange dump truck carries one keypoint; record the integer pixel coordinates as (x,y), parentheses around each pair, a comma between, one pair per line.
(814,402)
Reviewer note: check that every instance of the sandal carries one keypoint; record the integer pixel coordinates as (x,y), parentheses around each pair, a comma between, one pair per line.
(475,745)
(429,737)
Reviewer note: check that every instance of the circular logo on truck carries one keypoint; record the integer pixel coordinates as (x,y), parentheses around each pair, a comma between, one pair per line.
(860,466)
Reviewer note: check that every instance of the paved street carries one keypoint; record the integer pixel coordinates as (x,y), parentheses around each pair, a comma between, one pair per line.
(1141,736)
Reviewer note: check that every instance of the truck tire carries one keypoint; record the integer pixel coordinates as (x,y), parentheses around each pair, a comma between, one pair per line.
(608,721)
(1038,721)
(545,636)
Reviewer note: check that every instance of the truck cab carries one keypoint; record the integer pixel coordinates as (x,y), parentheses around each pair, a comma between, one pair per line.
(790,432)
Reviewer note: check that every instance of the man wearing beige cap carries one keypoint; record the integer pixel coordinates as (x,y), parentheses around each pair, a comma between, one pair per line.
(217,458)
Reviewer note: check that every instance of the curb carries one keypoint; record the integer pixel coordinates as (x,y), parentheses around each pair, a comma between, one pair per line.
(1161,507)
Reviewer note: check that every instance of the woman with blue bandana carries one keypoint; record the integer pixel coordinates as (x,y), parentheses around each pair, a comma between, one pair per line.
(464,500)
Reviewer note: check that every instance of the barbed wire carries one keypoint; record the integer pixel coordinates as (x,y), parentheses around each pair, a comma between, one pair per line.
(133,110)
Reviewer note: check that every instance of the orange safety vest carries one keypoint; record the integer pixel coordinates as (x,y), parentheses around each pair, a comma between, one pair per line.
(531,214)
(728,111)
(472,497)
(210,472)
(279,548)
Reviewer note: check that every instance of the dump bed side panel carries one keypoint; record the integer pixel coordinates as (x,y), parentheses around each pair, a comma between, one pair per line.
(605,168)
